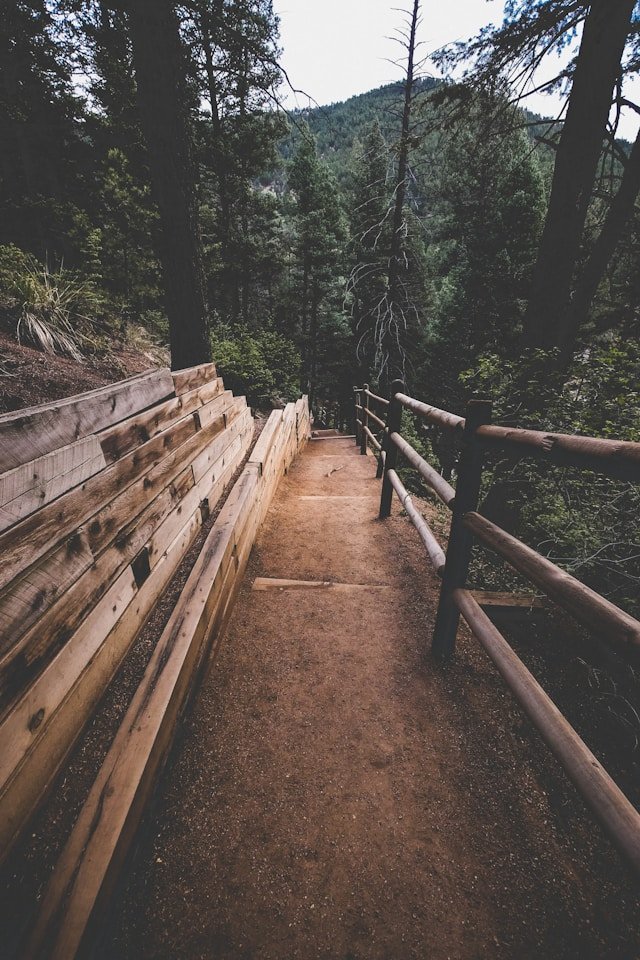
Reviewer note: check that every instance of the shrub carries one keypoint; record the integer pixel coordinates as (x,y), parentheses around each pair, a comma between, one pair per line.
(49,308)
(263,365)
(584,521)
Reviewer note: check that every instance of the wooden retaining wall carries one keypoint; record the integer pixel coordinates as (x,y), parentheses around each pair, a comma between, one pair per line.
(101,496)
(77,896)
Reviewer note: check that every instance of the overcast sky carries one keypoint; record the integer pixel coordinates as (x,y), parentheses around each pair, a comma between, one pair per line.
(334,49)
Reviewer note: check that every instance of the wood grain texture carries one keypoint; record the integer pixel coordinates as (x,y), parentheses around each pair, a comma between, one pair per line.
(192,377)
(209,411)
(28,434)
(64,698)
(115,543)
(25,600)
(35,484)
(23,544)
(105,826)
(123,437)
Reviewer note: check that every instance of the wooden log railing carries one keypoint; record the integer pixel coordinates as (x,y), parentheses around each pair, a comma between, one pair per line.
(616,628)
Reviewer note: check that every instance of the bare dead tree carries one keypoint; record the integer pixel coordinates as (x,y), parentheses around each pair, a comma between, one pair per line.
(386,320)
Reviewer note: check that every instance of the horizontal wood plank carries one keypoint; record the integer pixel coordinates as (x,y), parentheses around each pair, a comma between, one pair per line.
(492,598)
(35,484)
(106,825)
(25,657)
(23,544)
(31,433)
(64,698)
(192,377)
(220,404)
(24,600)
(120,439)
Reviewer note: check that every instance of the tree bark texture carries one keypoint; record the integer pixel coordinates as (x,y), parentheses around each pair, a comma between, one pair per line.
(603,249)
(390,347)
(547,322)
(160,75)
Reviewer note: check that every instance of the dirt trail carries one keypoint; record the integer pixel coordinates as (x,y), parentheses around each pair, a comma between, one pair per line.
(335,795)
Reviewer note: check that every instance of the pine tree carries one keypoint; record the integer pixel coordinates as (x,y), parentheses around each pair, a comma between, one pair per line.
(160,70)
(124,208)
(487,200)
(370,229)
(606,28)
(593,82)
(237,74)
(321,233)
(40,144)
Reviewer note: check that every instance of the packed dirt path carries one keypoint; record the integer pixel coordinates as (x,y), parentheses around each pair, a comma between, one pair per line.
(336,795)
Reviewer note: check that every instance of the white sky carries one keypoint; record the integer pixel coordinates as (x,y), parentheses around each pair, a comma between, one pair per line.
(334,49)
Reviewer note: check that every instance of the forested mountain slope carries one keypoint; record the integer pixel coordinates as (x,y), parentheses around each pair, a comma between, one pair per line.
(337,126)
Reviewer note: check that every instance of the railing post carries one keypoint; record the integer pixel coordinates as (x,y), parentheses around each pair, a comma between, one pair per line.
(394,420)
(460,539)
(365,420)
(356,401)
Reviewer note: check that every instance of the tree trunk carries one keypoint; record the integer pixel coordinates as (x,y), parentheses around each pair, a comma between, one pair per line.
(313,346)
(390,347)
(160,74)
(605,32)
(603,249)
(304,324)
(207,30)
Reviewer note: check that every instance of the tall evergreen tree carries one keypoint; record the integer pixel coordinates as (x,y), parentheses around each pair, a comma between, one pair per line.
(161,87)
(487,204)
(370,229)
(321,233)
(124,208)
(41,147)
(236,58)
(593,82)
(605,32)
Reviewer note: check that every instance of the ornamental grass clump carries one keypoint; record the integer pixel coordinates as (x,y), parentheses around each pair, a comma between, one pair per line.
(49,308)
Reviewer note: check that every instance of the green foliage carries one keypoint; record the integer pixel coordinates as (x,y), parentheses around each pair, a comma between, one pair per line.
(50,308)
(487,199)
(338,126)
(318,254)
(128,266)
(263,365)
(586,522)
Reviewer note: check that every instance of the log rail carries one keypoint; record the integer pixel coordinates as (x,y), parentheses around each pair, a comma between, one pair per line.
(616,628)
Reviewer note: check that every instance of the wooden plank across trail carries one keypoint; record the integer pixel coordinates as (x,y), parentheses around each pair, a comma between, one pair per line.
(273,583)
